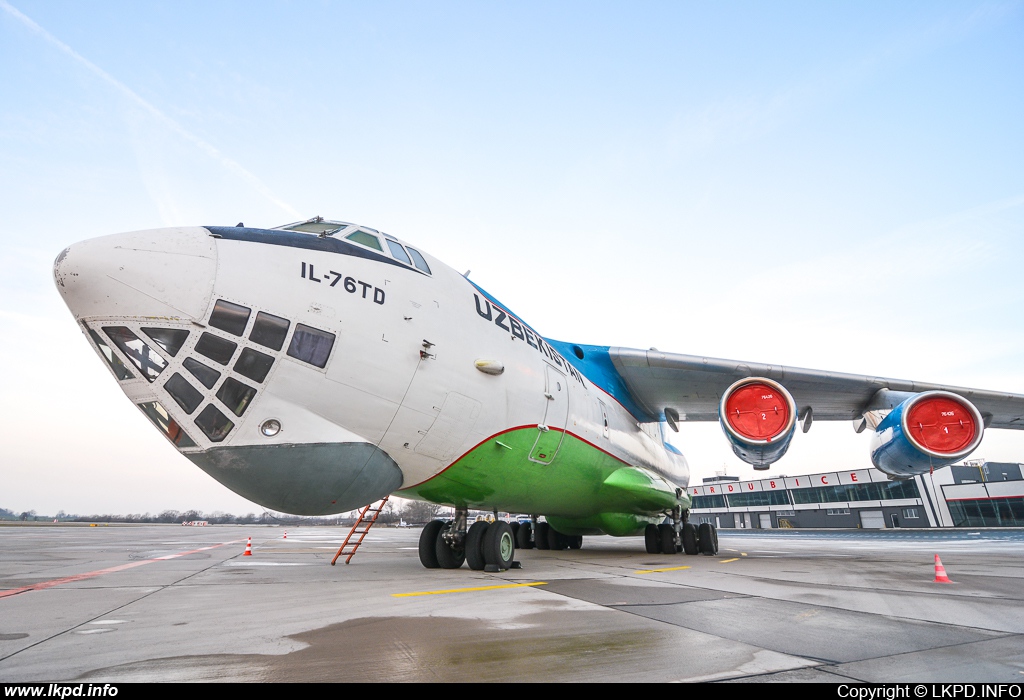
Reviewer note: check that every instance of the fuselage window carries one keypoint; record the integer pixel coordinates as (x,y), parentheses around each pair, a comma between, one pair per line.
(398,251)
(120,371)
(170,339)
(207,376)
(367,239)
(235,395)
(186,395)
(311,345)
(229,317)
(216,348)
(418,260)
(269,330)
(162,419)
(253,364)
(214,423)
(147,360)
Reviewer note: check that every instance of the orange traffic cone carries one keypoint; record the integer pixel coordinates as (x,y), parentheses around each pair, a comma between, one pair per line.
(248,549)
(940,571)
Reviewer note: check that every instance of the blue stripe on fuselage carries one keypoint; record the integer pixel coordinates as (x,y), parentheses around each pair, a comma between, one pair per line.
(309,241)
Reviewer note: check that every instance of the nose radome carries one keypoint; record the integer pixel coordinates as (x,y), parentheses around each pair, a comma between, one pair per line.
(166,272)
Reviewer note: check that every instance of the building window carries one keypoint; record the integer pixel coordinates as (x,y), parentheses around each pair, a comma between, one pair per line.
(838,511)
(910,513)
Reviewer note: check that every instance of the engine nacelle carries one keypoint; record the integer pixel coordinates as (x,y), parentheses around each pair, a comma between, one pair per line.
(758,417)
(930,429)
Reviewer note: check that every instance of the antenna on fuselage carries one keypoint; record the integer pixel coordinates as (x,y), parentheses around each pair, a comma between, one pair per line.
(466,274)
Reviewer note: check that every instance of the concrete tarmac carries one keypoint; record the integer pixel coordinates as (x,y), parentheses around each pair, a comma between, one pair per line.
(171,603)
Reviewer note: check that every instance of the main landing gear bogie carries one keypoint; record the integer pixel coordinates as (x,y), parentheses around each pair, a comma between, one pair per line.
(691,539)
(484,546)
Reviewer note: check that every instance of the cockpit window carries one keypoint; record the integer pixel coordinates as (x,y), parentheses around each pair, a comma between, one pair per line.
(269,330)
(186,395)
(311,345)
(235,395)
(207,376)
(229,317)
(147,360)
(254,364)
(120,371)
(418,260)
(318,225)
(367,239)
(398,251)
(170,339)
(216,348)
(162,419)
(214,423)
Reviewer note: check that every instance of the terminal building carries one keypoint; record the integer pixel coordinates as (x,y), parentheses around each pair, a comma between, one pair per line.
(974,494)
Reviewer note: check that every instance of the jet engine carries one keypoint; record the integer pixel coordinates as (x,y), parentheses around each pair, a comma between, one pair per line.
(758,417)
(930,429)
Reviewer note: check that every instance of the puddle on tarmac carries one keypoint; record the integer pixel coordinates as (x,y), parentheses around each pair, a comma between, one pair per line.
(415,649)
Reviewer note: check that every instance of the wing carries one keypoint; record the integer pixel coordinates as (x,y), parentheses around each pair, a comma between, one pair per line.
(693,386)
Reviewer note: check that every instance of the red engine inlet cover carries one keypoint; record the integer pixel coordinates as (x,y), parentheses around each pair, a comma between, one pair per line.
(757,411)
(941,424)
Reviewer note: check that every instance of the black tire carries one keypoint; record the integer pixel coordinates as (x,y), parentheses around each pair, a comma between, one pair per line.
(690,544)
(515,529)
(475,546)
(499,545)
(523,540)
(428,544)
(575,541)
(652,539)
(708,539)
(556,540)
(540,538)
(668,539)
(448,558)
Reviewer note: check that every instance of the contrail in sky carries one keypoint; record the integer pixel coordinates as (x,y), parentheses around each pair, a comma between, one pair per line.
(208,148)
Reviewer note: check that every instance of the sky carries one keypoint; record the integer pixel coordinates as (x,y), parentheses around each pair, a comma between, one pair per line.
(828,185)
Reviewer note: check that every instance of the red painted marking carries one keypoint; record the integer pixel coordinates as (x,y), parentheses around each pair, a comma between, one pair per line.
(93,574)
(941,424)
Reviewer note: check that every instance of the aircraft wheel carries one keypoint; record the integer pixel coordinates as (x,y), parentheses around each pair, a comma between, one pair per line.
(523,540)
(499,545)
(556,540)
(708,539)
(575,541)
(428,544)
(690,544)
(668,539)
(652,539)
(475,546)
(448,557)
(540,538)
(515,528)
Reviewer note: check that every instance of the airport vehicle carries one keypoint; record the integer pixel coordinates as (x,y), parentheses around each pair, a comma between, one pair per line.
(322,365)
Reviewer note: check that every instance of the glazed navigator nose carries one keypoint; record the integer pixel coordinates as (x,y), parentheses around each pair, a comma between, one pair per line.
(166,273)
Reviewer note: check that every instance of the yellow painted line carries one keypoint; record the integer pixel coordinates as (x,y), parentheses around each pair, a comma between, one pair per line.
(743,554)
(655,571)
(726,561)
(469,590)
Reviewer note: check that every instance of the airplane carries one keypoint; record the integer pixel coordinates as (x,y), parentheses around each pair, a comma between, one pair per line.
(322,365)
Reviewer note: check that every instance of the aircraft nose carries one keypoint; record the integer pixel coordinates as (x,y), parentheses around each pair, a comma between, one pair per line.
(165,273)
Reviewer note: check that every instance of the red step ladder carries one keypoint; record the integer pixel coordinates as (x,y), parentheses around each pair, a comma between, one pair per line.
(367,517)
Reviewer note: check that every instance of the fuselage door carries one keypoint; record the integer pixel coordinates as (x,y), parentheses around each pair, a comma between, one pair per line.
(551,429)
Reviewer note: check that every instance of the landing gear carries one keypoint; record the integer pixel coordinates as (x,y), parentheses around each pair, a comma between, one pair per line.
(475,546)
(447,544)
(667,538)
(540,536)
(428,544)
(524,536)
(652,539)
(499,546)
(690,543)
(708,536)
